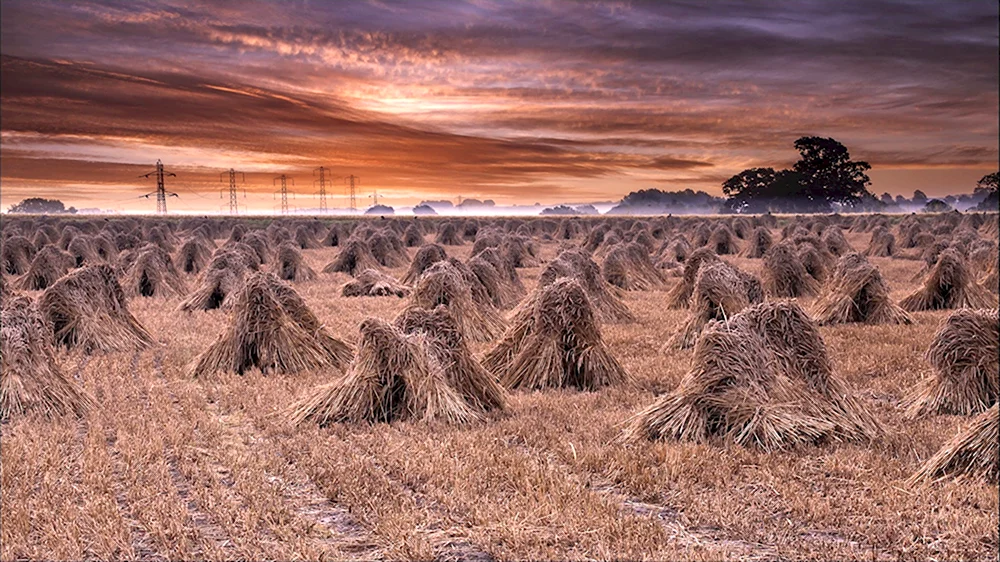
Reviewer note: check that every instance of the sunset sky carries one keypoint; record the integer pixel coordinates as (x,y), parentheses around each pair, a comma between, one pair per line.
(520,102)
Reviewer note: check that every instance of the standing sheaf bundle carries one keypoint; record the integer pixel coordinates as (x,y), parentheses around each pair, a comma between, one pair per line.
(443,283)
(271,328)
(760,243)
(355,256)
(394,376)
(289,265)
(761,379)
(221,280)
(304,239)
(104,246)
(883,243)
(720,292)
(964,355)
(49,265)
(339,352)
(949,285)
(258,242)
(448,235)
(30,377)
(332,237)
(500,293)
(16,254)
(558,345)
(627,266)
(153,274)
(519,251)
(508,274)
(449,352)
(835,241)
(374,283)
(815,259)
(87,309)
(426,256)
(412,237)
(973,453)
(857,293)
(83,251)
(387,249)
(784,274)
(675,250)
(576,264)
(680,295)
(723,241)
(194,255)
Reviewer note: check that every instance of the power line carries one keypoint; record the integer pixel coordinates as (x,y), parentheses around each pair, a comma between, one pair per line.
(161,192)
(233,204)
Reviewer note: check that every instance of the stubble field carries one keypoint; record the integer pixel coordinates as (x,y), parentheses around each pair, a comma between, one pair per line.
(169,467)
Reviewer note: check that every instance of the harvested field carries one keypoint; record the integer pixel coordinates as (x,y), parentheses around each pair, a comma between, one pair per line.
(166,466)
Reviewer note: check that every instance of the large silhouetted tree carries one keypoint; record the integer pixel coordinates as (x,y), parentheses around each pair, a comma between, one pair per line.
(40,206)
(824,176)
(990,186)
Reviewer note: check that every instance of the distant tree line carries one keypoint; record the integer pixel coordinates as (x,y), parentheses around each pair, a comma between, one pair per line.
(655,201)
(39,206)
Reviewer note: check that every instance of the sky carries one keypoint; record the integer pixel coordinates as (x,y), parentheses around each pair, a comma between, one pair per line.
(544,101)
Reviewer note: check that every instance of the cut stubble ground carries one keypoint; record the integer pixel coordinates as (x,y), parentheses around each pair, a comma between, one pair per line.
(167,467)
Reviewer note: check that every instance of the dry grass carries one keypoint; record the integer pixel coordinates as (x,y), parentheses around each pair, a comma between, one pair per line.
(166,467)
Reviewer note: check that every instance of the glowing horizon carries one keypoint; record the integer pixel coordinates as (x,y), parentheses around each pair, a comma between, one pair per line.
(519,102)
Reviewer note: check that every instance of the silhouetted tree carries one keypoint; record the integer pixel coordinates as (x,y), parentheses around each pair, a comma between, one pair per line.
(990,186)
(824,176)
(887,199)
(919,197)
(828,174)
(37,205)
(989,181)
(937,206)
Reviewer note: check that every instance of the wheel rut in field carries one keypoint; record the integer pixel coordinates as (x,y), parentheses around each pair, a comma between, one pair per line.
(449,543)
(141,542)
(331,527)
(668,517)
(212,538)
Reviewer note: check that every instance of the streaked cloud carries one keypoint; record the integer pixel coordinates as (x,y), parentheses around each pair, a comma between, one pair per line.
(517,101)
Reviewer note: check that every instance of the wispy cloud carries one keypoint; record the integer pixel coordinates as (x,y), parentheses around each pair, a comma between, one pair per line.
(521,101)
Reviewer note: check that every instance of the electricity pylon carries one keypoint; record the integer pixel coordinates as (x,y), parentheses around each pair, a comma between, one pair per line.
(353,181)
(161,192)
(284,192)
(233,204)
(322,188)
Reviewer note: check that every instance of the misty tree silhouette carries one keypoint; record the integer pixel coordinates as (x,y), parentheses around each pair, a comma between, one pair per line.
(823,176)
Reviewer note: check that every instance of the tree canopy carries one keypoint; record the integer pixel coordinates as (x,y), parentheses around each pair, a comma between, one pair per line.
(37,205)
(990,186)
(823,176)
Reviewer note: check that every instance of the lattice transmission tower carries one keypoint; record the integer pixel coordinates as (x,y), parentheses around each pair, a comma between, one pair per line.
(233,200)
(352,182)
(322,188)
(161,191)
(284,191)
